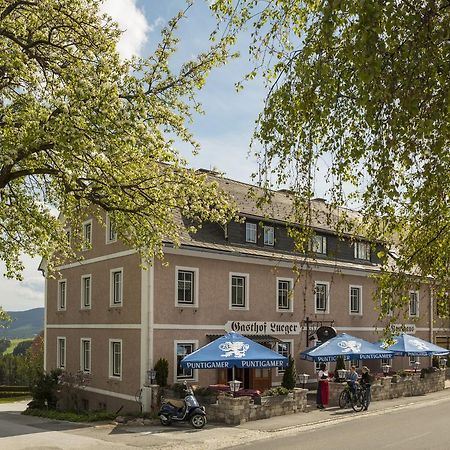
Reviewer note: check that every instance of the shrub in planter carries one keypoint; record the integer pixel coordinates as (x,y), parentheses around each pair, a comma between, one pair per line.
(278,390)
(290,375)
(162,372)
(44,392)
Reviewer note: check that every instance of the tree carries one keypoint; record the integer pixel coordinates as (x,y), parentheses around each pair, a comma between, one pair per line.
(81,127)
(363,86)
(5,318)
(22,347)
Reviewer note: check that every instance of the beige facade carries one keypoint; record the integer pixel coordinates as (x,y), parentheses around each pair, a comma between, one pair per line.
(108,316)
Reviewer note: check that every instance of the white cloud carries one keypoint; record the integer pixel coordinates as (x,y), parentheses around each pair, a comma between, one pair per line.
(26,294)
(132,22)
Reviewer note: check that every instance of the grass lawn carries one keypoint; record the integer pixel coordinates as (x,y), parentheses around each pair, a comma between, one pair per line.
(14,399)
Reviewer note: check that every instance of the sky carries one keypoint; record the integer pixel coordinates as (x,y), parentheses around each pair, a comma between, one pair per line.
(224,132)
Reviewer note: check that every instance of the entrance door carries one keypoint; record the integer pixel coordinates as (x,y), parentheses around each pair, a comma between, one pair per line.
(260,379)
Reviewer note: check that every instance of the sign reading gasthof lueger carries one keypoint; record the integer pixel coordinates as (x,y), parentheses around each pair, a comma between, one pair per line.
(261,328)
(409,328)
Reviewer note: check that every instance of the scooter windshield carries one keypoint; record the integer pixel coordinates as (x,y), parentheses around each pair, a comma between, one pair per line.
(191,401)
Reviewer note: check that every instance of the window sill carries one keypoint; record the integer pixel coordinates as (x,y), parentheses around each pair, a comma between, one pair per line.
(186,305)
(238,308)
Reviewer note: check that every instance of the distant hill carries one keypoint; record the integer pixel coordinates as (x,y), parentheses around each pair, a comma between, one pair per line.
(25,324)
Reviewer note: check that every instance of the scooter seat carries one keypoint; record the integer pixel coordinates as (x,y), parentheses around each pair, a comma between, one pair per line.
(175,402)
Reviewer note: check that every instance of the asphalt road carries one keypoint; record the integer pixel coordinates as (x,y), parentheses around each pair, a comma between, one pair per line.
(424,426)
(412,423)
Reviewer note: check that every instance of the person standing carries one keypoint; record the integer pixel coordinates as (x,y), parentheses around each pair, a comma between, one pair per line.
(322,387)
(352,378)
(366,383)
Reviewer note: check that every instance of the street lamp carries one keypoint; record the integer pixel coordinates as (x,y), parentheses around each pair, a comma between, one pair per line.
(416,365)
(342,373)
(234,386)
(385,368)
(303,379)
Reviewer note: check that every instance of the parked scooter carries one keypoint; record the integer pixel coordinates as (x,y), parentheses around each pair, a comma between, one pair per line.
(187,410)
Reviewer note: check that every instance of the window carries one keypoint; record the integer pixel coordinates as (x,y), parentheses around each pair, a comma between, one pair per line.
(183,349)
(317,366)
(386,362)
(116,295)
(186,286)
(85,355)
(413,360)
(87,234)
(321,297)
(414,304)
(111,234)
(284,294)
(62,295)
(115,358)
(61,352)
(86,286)
(285,349)
(238,291)
(250,232)
(362,250)
(318,244)
(269,235)
(355,299)
(356,363)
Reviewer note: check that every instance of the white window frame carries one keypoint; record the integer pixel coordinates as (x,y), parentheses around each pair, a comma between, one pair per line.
(290,307)
(269,232)
(59,364)
(386,362)
(111,359)
(246,291)
(413,359)
(59,307)
(318,244)
(327,310)
(361,250)
(317,366)
(109,225)
(83,304)
(416,293)
(291,353)
(360,288)
(194,377)
(251,228)
(112,288)
(195,293)
(85,241)
(82,356)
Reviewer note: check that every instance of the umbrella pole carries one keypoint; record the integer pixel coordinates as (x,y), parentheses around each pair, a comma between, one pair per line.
(234,392)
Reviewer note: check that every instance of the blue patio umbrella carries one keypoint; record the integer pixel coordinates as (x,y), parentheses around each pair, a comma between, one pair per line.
(347,346)
(407,345)
(233,350)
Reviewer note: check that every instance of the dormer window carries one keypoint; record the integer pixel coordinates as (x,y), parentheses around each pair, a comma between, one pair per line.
(362,250)
(250,232)
(269,235)
(318,244)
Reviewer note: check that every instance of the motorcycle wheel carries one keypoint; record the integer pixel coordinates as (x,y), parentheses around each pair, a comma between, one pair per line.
(198,421)
(164,420)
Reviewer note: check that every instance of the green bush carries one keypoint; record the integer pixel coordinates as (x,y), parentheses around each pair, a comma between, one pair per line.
(290,375)
(162,372)
(14,388)
(13,394)
(45,390)
(4,344)
(278,390)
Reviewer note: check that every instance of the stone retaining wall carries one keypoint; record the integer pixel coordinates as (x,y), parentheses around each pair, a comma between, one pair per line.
(386,388)
(235,411)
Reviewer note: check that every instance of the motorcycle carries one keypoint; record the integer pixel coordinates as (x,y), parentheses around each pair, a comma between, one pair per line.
(187,410)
